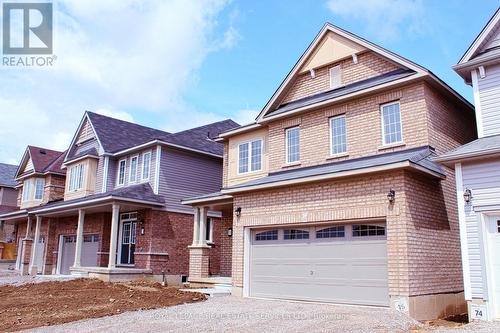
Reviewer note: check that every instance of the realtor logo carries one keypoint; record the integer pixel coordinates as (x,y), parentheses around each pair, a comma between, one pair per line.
(27,28)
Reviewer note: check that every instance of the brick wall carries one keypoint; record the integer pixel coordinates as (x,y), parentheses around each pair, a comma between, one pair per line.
(54,188)
(364,129)
(226,243)
(369,65)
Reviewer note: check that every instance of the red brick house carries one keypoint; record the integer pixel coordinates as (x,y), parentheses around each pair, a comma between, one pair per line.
(332,194)
(109,207)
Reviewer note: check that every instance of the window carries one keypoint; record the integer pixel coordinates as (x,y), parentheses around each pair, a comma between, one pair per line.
(27,187)
(498,226)
(335,79)
(146,165)
(76,174)
(209,231)
(39,185)
(121,172)
(133,169)
(338,135)
(296,234)
(363,230)
(331,232)
(250,156)
(391,123)
(293,145)
(267,235)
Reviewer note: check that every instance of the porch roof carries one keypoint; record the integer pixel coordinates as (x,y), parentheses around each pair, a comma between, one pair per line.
(416,158)
(480,148)
(207,198)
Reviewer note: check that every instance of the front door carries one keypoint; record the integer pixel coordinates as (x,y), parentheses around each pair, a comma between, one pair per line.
(129,224)
(494,260)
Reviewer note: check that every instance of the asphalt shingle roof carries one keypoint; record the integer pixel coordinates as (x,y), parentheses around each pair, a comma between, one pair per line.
(421,156)
(8,174)
(347,89)
(46,160)
(480,145)
(116,135)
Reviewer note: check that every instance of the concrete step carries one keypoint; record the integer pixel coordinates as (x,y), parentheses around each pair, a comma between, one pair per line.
(211,292)
(223,286)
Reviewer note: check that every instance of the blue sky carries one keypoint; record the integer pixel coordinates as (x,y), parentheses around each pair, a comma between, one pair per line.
(186,63)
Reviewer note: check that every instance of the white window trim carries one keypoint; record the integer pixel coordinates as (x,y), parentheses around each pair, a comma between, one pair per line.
(287,162)
(210,239)
(332,86)
(76,179)
(28,196)
(130,181)
(346,152)
(43,188)
(118,173)
(149,167)
(250,156)
(395,143)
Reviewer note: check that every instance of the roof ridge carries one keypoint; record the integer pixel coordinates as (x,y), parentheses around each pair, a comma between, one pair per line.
(125,121)
(203,126)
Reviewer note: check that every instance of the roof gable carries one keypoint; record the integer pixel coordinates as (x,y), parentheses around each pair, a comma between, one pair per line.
(40,160)
(487,39)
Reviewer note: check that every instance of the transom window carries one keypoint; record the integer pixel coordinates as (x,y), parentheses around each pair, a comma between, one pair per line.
(331,232)
(267,235)
(76,174)
(250,156)
(293,145)
(295,234)
(90,238)
(391,123)
(39,185)
(338,135)
(133,169)
(363,230)
(121,172)
(146,165)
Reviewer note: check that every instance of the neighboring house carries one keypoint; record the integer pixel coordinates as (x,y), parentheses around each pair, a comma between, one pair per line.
(477,166)
(8,199)
(332,194)
(117,214)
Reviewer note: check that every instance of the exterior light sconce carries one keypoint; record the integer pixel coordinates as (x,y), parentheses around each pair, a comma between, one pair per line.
(230,232)
(238,211)
(467,195)
(391,196)
(142,227)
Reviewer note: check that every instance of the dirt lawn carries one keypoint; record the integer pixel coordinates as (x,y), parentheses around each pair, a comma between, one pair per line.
(58,302)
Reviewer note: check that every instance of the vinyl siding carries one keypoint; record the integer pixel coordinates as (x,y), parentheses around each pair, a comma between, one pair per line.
(183,175)
(79,148)
(483,179)
(113,169)
(489,97)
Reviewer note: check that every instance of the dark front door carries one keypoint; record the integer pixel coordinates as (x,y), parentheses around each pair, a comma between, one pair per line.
(128,242)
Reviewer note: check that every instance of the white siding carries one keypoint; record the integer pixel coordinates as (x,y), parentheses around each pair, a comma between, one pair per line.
(489,96)
(483,179)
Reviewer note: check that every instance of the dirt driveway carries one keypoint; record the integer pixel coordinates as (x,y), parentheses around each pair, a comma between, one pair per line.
(57,302)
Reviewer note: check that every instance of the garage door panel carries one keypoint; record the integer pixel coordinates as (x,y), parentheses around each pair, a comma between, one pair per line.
(350,270)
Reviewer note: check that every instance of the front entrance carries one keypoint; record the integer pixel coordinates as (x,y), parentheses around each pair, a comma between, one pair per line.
(127,238)
(494,261)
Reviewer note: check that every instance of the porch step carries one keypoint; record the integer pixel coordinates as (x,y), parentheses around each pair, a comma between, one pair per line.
(211,292)
(223,286)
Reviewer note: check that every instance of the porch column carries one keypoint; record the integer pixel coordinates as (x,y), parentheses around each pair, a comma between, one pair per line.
(79,239)
(26,248)
(35,247)
(114,236)
(28,228)
(202,240)
(196,227)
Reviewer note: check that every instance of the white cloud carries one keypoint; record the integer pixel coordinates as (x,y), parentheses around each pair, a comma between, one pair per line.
(245,116)
(383,19)
(123,58)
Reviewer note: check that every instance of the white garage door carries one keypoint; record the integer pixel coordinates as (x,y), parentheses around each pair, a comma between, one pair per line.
(340,264)
(89,252)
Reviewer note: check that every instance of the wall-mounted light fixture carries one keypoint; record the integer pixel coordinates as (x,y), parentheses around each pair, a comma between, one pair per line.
(238,211)
(141,222)
(230,232)
(391,196)
(467,195)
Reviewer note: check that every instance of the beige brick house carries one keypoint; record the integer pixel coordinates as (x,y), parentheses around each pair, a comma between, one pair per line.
(332,194)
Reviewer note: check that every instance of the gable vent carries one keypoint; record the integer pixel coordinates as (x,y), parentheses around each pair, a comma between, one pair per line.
(43,152)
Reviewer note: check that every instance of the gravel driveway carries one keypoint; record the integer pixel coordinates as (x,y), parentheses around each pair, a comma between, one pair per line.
(233,314)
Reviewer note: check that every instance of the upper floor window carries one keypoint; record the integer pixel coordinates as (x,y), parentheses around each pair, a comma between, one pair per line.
(121,172)
(391,123)
(335,78)
(250,156)
(39,185)
(133,169)
(293,145)
(27,187)
(76,174)
(338,135)
(146,165)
